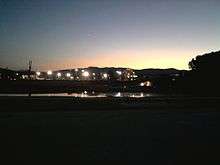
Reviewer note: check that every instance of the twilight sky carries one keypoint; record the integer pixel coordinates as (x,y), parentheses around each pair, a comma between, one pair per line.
(58,34)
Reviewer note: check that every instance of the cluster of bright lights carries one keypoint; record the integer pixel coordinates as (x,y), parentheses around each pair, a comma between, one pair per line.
(38,73)
(147,83)
(137,95)
(68,75)
(58,74)
(85,74)
(49,72)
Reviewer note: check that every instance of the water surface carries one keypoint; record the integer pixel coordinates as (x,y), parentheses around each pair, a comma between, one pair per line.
(87,94)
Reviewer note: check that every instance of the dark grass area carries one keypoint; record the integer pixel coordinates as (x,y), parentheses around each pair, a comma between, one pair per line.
(59,86)
(160,130)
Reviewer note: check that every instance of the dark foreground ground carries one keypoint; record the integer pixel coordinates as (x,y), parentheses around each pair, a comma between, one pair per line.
(160,130)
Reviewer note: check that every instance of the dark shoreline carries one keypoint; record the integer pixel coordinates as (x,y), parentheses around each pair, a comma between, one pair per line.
(71,86)
(166,103)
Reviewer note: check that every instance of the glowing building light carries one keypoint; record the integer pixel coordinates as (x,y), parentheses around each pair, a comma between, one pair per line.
(83,70)
(76,70)
(142,84)
(38,73)
(105,75)
(148,83)
(118,94)
(68,75)
(49,72)
(59,74)
(93,74)
(118,72)
(85,74)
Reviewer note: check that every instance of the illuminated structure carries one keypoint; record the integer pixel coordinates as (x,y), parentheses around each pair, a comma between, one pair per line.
(92,73)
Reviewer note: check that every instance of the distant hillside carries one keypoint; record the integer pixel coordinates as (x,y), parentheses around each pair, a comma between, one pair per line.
(96,69)
(3,70)
(157,72)
(142,72)
(9,71)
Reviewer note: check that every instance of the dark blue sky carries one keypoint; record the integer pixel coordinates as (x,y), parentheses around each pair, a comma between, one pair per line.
(137,34)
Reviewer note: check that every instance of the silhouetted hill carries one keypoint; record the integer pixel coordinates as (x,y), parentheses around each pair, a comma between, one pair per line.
(158,72)
(96,69)
(3,70)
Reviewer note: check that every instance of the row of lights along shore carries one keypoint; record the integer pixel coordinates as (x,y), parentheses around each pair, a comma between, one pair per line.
(84,74)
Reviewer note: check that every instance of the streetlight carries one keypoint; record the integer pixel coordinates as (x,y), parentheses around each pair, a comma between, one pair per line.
(85,74)
(49,72)
(148,83)
(58,74)
(38,73)
(142,84)
(118,72)
(118,94)
(68,75)
(105,75)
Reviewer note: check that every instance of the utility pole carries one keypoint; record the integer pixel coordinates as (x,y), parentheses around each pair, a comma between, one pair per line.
(29,70)
(29,76)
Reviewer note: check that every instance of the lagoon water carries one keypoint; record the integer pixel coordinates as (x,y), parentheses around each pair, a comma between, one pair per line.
(86,94)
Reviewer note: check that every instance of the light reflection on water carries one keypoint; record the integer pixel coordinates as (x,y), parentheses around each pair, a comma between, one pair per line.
(87,94)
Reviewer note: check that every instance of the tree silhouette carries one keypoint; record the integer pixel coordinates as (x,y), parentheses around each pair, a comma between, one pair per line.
(203,77)
(205,63)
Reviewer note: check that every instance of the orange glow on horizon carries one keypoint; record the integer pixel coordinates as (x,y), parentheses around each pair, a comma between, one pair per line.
(134,60)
